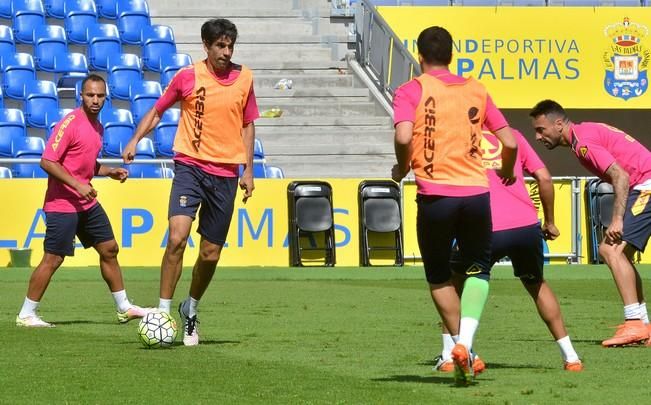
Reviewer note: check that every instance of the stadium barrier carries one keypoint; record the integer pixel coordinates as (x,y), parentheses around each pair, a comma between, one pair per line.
(258,233)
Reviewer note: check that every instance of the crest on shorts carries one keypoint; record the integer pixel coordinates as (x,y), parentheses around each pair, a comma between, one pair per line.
(473,269)
(183,201)
(583,150)
(626,59)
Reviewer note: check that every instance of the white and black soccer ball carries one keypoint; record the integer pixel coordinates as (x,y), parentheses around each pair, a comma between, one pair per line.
(157,329)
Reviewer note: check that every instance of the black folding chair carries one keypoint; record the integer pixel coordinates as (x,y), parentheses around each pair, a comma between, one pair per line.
(310,213)
(380,220)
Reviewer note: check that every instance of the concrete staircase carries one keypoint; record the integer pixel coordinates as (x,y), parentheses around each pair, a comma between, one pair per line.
(331,125)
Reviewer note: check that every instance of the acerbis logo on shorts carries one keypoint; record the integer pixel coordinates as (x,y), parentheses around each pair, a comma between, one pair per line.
(183,201)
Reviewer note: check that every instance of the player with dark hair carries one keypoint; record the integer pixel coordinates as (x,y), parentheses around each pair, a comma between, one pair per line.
(518,234)
(71,207)
(215,135)
(619,159)
(438,129)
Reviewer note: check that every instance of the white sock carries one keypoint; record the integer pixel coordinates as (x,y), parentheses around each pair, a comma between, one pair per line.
(632,311)
(192,308)
(29,308)
(448,344)
(467,329)
(121,301)
(165,305)
(567,350)
(645,315)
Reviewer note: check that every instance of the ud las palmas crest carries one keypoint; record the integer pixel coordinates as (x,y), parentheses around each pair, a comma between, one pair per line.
(626,60)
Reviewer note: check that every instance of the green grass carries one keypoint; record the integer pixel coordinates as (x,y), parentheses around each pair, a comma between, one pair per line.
(315,336)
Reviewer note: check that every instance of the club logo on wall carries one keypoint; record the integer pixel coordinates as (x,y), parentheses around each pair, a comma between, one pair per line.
(626,59)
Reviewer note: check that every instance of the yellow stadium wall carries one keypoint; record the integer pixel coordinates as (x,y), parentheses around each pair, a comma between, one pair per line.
(258,233)
(526,54)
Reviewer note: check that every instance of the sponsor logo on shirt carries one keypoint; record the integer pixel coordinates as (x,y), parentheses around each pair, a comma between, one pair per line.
(60,132)
(583,150)
(430,128)
(199,106)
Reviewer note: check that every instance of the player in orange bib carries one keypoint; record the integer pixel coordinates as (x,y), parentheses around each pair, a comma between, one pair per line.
(438,131)
(214,137)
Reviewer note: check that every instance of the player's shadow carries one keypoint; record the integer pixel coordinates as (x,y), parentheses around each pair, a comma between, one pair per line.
(495,366)
(214,342)
(82,322)
(441,380)
(589,341)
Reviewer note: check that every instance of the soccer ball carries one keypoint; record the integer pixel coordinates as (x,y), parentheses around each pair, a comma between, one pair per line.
(157,329)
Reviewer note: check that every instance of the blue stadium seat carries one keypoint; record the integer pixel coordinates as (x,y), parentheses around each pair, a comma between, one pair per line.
(50,42)
(170,63)
(145,149)
(258,151)
(5,172)
(74,68)
(12,125)
(7,42)
(27,15)
(80,14)
(28,147)
(18,70)
(6,10)
(55,8)
(40,99)
(157,40)
(123,70)
(165,132)
(143,95)
(150,171)
(116,115)
(28,170)
(274,172)
(259,170)
(52,118)
(117,132)
(103,41)
(106,9)
(2,99)
(132,17)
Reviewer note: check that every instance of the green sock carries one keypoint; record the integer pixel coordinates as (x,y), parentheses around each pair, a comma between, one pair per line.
(473,299)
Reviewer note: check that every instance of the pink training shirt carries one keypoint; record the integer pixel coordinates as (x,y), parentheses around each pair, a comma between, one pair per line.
(75,144)
(405,103)
(511,206)
(180,87)
(598,146)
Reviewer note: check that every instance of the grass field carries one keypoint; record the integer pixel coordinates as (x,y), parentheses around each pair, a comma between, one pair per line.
(315,336)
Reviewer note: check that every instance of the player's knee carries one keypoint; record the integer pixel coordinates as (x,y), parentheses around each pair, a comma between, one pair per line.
(209,254)
(109,251)
(607,251)
(177,242)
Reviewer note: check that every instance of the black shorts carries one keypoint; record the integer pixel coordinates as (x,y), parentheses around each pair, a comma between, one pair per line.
(442,220)
(637,219)
(91,227)
(524,246)
(191,188)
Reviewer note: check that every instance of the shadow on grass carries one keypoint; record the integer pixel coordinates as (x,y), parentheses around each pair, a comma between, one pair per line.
(83,322)
(179,343)
(441,380)
(496,366)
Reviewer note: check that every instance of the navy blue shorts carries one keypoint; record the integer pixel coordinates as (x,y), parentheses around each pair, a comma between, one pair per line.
(442,220)
(637,219)
(91,227)
(191,188)
(524,246)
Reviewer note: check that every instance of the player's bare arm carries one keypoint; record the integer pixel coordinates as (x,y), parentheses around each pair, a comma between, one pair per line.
(148,122)
(619,179)
(546,187)
(246,181)
(116,173)
(57,171)
(509,154)
(402,146)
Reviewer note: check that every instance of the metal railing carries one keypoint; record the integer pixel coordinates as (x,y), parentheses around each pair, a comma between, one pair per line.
(380,52)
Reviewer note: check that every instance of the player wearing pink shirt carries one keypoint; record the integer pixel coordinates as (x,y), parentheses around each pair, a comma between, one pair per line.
(517,233)
(618,158)
(71,207)
(215,135)
(438,121)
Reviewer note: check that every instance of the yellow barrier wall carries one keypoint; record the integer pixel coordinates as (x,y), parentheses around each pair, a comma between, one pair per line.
(591,58)
(258,233)
(138,212)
